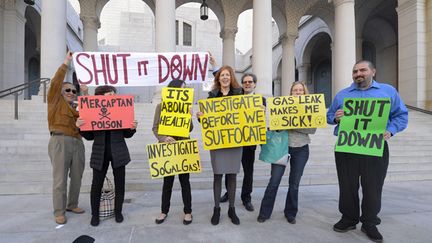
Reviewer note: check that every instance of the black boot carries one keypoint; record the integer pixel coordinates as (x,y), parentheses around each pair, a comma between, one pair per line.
(224,198)
(94,221)
(119,217)
(233,216)
(216,216)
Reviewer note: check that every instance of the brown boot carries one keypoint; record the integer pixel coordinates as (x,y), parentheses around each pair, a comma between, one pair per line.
(76,210)
(61,219)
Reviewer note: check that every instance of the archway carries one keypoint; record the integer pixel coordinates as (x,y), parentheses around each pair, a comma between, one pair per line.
(194,34)
(318,54)
(128,25)
(32,50)
(380,46)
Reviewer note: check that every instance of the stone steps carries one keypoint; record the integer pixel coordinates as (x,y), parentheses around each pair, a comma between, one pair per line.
(26,168)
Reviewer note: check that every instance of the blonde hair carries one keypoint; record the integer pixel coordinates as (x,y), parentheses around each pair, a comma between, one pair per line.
(305,88)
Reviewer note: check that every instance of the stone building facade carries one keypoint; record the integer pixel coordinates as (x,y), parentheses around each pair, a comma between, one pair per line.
(318,40)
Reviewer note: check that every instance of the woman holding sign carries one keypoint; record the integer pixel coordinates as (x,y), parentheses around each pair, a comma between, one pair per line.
(169,180)
(226,160)
(108,145)
(299,151)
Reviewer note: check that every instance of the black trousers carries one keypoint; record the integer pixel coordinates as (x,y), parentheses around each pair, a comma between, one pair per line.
(369,172)
(185,189)
(248,160)
(97,184)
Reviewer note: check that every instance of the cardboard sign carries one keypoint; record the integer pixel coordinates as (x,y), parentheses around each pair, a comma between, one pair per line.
(361,130)
(139,69)
(303,111)
(167,159)
(175,118)
(232,121)
(106,112)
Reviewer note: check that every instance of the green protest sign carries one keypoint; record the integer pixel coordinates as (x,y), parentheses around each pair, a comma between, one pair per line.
(361,130)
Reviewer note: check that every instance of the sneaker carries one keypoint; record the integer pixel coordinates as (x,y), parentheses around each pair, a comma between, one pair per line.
(76,210)
(61,219)
(342,226)
(372,232)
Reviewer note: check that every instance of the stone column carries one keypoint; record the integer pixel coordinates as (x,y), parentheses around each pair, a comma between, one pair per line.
(165,26)
(165,33)
(332,67)
(228,38)
(429,55)
(288,63)
(412,48)
(262,46)
(304,70)
(13,26)
(277,87)
(344,43)
(53,36)
(91,25)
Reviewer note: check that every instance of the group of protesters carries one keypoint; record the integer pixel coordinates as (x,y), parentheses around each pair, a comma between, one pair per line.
(66,151)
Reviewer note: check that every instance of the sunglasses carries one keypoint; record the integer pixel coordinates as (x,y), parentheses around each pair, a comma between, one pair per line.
(70,90)
(247,82)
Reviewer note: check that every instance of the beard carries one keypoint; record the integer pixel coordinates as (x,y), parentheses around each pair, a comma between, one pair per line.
(362,82)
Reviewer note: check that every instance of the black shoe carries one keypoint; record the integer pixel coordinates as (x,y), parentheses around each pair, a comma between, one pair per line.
(342,226)
(248,205)
(160,221)
(291,220)
(224,198)
(216,216)
(119,217)
(261,219)
(94,221)
(372,232)
(232,214)
(186,222)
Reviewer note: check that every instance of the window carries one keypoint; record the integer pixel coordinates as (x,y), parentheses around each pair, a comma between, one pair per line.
(177,32)
(187,34)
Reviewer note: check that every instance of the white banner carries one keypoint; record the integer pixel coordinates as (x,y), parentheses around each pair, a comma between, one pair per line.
(129,69)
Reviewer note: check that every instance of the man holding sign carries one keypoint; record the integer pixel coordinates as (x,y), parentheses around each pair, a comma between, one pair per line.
(355,153)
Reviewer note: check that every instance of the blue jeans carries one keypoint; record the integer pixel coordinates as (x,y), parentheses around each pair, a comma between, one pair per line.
(299,157)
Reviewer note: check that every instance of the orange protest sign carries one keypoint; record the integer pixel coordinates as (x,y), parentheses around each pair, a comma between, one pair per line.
(106,112)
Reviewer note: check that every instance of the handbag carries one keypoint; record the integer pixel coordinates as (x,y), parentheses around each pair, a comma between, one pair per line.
(106,208)
(275,151)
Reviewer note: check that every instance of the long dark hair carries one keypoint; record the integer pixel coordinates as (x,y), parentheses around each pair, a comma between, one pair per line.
(176,83)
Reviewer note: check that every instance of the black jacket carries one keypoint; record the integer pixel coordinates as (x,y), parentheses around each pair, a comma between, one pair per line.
(119,150)
(215,93)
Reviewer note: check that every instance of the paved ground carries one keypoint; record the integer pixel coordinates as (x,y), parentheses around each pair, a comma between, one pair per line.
(406,217)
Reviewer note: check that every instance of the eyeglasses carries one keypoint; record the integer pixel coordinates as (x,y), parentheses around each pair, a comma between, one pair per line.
(248,82)
(70,90)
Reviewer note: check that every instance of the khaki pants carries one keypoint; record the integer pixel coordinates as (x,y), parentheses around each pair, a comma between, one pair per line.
(67,157)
